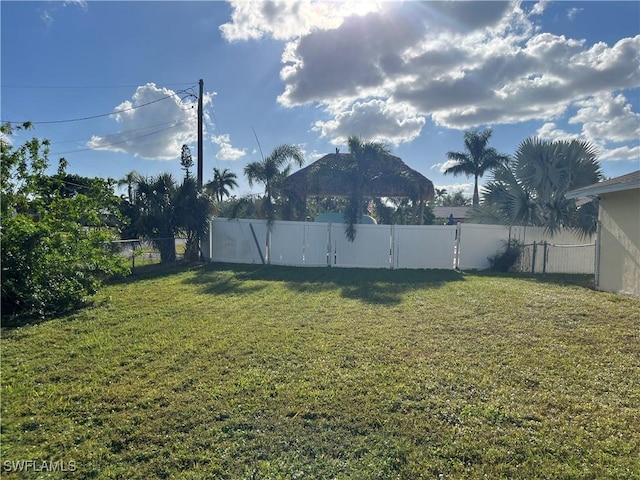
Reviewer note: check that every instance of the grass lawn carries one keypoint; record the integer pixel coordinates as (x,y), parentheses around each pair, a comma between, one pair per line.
(248,372)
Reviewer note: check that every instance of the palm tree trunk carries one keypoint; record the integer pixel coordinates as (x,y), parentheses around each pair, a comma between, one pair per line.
(476,197)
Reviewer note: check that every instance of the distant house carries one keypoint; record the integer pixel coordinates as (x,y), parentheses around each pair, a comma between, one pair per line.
(459,213)
(617,266)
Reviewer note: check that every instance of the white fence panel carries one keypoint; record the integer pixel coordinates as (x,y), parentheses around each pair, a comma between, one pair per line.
(232,240)
(370,249)
(299,243)
(425,246)
(316,244)
(287,243)
(477,242)
(399,246)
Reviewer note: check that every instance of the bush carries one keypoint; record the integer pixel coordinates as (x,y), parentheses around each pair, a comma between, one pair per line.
(56,245)
(506,258)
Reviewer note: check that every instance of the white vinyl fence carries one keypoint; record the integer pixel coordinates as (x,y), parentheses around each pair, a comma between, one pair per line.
(463,246)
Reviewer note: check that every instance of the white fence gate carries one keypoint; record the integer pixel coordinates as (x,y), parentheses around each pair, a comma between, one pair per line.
(465,246)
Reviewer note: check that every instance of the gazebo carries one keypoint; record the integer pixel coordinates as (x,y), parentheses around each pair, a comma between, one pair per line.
(330,176)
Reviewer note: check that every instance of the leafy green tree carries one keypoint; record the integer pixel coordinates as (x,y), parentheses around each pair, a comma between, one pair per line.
(223,182)
(271,172)
(531,189)
(477,158)
(455,199)
(399,211)
(56,244)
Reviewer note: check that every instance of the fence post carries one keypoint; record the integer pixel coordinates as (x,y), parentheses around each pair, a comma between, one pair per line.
(393,255)
(456,257)
(533,257)
(596,254)
(544,258)
(329,245)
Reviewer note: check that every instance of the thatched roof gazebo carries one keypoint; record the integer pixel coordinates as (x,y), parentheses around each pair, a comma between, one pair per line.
(331,176)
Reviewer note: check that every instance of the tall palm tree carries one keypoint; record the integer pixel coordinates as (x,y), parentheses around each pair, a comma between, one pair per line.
(477,159)
(223,181)
(365,156)
(270,172)
(531,190)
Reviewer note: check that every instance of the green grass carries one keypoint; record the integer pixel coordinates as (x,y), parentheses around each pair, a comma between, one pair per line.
(264,372)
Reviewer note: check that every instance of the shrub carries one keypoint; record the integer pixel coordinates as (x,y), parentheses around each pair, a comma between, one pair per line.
(506,258)
(56,245)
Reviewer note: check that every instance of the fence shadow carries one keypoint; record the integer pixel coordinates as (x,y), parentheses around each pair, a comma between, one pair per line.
(376,286)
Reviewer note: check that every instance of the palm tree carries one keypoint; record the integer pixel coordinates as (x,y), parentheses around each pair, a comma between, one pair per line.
(365,156)
(271,171)
(531,190)
(440,193)
(223,181)
(156,218)
(477,159)
(192,215)
(130,180)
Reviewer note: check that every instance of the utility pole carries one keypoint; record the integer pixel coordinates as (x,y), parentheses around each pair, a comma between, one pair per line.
(200,115)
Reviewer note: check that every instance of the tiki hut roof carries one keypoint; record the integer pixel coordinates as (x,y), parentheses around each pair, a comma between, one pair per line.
(329,177)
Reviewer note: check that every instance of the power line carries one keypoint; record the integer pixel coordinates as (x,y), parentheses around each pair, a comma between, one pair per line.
(119,142)
(86,87)
(114,134)
(94,116)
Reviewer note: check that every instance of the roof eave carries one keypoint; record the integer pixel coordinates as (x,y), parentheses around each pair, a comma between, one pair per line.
(596,190)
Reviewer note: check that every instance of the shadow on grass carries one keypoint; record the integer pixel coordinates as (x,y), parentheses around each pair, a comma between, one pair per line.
(379,286)
(578,279)
(154,270)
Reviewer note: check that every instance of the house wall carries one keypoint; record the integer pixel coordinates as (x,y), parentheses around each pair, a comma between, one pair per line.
(620,242)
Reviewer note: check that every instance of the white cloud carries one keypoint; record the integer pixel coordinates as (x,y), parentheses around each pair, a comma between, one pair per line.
(375,120)
(464,64)
(539,7)
(607,120)
(608,117)
(550,131)
(442,166)
(48,12)
(625,153)
(573,12)
(227,151)
(153,125)
(286,19)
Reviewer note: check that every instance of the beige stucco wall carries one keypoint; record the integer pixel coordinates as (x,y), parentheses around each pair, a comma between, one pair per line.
(620,242)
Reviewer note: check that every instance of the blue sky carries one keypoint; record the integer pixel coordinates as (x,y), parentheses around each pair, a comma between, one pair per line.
(415,75)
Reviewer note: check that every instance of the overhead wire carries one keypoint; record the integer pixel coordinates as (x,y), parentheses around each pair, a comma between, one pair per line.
(114,134)
(94,116)
(119,142)
(91,117)
(83,87)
